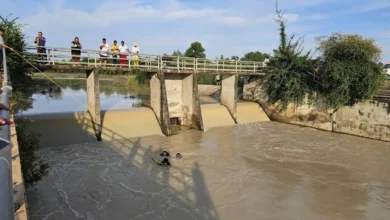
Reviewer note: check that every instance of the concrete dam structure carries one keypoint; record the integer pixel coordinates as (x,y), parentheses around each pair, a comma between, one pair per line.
(172,96)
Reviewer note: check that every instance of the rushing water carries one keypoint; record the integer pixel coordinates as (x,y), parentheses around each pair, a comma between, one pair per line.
(260,171)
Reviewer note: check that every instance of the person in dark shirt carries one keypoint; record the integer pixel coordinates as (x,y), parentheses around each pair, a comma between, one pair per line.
(40,42)
(76,50)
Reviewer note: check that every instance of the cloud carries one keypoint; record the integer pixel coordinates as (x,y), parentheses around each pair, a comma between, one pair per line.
(315,17)
(230,20)
(231,28)
(370,6)
(191,13)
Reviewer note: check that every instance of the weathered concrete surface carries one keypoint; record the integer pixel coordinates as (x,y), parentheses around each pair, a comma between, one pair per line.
(159,101)
(369,119)
(250,112)
(174,87)
(55,129)
(119,125)
(93,100)
(208,90)
(183,99)
(20,199)
(229,93)
(197,118)
(216,115)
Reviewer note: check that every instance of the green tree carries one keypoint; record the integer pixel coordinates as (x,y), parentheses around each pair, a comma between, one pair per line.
(177,53)
(255,56)
(33,167)
(15,38)
(350,70)
(195,50)
(288,80)
(235,58)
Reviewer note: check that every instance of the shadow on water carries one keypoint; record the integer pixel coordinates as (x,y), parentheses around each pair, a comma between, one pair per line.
(117,180)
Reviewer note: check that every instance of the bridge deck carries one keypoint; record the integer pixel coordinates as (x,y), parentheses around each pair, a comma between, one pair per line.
(143,69)
(62,59)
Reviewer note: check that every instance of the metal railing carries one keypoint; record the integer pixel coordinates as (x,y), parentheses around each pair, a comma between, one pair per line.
(58,56)
(6,183)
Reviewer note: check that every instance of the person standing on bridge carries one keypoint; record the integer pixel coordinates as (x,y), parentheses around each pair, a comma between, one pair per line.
(104,48)
(2,45)
(76,50)
(114,50)
(122,53)
(40,41)
(135,51)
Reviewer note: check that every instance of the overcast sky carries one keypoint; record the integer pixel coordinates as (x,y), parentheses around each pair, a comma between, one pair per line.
(227,27)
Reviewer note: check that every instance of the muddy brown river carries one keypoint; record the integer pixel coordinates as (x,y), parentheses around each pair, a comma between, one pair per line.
(260,171)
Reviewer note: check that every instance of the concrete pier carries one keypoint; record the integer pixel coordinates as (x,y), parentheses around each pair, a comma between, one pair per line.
(159,102)
(183,99)
(229,92)
(93,100)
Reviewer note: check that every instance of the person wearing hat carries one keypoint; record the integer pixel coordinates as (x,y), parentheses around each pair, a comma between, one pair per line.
(135,51)
(2,45)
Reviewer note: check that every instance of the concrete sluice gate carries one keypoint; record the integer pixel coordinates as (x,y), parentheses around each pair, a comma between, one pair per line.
(172,98)
(74,128)
(55,129)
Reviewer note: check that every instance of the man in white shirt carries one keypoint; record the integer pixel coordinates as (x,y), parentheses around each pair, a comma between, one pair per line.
(122,53)
(135,51)
(104,48)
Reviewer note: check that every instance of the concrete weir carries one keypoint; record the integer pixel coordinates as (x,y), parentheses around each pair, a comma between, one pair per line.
(172,96)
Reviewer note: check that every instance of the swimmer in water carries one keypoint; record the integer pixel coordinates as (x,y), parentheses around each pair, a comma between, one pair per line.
(165,154)
(178,156)
(164,162)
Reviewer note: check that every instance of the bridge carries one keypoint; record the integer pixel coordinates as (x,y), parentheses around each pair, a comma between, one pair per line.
(173,81)
(61,58)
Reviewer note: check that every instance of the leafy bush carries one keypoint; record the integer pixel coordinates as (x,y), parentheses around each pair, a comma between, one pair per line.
(33,167)
(350,70)
(14,38)
(288,80)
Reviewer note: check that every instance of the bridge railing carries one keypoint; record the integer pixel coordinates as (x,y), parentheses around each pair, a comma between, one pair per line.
(58,56)
(6,183)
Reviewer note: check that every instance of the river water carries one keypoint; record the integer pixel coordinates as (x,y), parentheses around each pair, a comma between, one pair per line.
(265,170)
(114,95)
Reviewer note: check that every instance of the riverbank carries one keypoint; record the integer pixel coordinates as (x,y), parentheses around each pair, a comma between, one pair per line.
(370,119)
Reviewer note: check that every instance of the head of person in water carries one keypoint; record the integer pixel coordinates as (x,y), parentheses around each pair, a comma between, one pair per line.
(178,155)
(165,154)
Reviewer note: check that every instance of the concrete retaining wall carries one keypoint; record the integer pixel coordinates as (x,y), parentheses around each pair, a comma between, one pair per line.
(369,119)
(17,178)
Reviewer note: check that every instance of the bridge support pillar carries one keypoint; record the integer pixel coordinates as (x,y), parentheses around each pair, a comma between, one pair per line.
(254,89)
(197,119)
(159,101)
(229,92)
(190,108)
(183,99)
(93,98)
